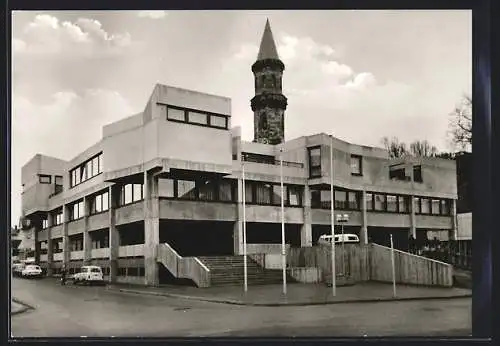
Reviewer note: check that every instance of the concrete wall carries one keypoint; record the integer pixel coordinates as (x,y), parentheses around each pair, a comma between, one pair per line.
(434,222)
(56,232)
(194,210)
(75,227)
(439,175)
(130,213)
(306,275)
(464,229)
(272,214)
(98,221)
(323,217)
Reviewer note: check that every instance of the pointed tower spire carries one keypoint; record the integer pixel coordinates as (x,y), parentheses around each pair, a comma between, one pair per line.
(269,103)
(267,46)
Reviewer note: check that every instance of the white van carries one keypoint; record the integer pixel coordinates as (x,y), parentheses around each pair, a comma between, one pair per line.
(339,239)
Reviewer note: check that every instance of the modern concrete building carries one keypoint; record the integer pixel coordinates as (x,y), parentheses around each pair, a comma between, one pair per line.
(173,174)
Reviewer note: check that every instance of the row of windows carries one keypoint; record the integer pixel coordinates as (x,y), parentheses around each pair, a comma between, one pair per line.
(197,117)
(257,192)
(86,170)
(344,200)
(315,163)
(99,203)
(200,190)
(388,203)
(131,193)
(432,206)
(47,179)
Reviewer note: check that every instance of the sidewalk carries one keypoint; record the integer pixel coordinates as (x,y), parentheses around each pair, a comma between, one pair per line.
(298,294)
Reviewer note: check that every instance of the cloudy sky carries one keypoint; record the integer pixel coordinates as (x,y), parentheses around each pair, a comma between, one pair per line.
(359,75)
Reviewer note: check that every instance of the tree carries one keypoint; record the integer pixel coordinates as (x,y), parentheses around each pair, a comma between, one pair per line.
(460,125)
(416,148)
(423,149)
(395,148)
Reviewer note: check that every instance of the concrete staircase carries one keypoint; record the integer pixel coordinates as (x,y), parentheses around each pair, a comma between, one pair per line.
(228,271)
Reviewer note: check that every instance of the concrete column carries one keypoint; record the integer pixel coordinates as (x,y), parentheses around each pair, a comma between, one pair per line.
(306,229)
(151,228)
(36,229)
(66,247)
(454,221)
(238,225)
(363,235)
(87,241)
(413,220)
(50,252)
(114,237)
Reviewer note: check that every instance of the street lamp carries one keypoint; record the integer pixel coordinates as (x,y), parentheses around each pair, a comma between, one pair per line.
(342,219)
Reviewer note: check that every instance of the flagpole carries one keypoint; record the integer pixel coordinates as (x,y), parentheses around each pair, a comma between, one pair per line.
(243,194)
(283,249)
(334,275)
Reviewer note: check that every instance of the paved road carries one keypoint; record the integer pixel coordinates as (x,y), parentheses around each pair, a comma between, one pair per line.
(73,311)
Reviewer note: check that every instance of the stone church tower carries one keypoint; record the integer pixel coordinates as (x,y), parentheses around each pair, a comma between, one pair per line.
(269,103)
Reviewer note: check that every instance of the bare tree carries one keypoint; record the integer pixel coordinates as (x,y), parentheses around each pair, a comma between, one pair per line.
(423,149)
(417,148)
(395,148)
(460,125)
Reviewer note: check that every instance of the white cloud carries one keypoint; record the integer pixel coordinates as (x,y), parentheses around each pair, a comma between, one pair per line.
(152,14)
(63,126)
(46,34)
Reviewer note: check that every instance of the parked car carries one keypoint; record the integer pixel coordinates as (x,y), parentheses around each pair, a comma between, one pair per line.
(17,269)
(339,239)
(32,271)
(88,275)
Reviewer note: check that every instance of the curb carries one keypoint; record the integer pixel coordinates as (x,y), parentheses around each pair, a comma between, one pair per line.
(242,303)
(25,307)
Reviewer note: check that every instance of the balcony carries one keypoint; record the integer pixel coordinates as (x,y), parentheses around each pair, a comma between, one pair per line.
(100,253)
(58,256)
(131,250)
(76,255)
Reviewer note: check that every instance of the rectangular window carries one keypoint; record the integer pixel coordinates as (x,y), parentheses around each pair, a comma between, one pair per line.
(249,192)
(44,179)
(379,202)
(58,180)
(127,194)
(416,205)
(356,165)
(425,206)
(186,189)
(132,271)
(369,201)
(59,218)
(392,203)
(166,188)
(314,162)
(218,121)
(197,118)
(294,193)
(98,203)
(122,271)
(105,201)
(403,204)
(340,199)
(89,170)
(445,207)
(206,190)
(353,202)
(435,206)
(138,192)
(417,174)
(100,163)
(315,199)
(226,190)
(397,173)
(326,199)
(277,195)
(77,211)
(95,165)
(263,193)
(176,114)
(45,223)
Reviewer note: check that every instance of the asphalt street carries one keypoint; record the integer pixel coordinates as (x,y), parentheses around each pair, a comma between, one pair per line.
(74,311)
